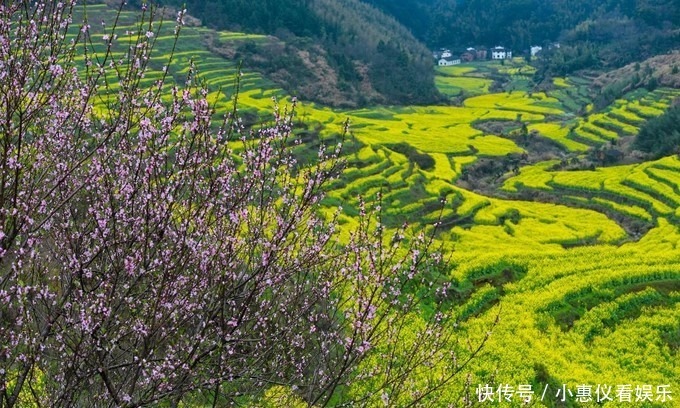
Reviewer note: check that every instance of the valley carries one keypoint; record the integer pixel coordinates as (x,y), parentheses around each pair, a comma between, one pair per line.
(563,241)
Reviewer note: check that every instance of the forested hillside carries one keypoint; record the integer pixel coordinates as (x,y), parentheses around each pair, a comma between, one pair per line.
(601,34)
(349,53)
(336,52)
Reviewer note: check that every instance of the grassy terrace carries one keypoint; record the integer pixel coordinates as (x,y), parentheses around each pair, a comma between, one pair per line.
(646,191)
(569,277)
(460,80)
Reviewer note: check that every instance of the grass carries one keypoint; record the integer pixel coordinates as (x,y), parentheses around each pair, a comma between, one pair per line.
(456,70)
(639,190)
(561,82)
(559,133)
(456,86)
(461,80)
(521,102)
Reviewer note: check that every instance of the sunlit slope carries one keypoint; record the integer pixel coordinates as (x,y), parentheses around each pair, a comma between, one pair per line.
(445,133)
(219,73)
(641,193)
(620,119)
(461,80)
(469,221)
(410,193)
(623,117)
(595,315)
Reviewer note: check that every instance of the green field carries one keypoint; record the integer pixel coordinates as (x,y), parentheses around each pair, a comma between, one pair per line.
(459,80)
(585,283)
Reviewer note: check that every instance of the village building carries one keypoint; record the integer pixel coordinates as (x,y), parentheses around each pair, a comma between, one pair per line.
(446,62)
(500,53)
(472,54)
(468,55)
(442,53)
(445,57)
(535,49)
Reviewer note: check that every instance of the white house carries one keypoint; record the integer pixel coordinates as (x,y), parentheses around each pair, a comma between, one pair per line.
(535,49)
(446,54)
(446,62)
(499,53)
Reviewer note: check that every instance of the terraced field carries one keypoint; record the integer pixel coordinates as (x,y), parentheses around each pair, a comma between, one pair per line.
(587,278)
(595,315)
(623,117)
(640,193)
(461,80)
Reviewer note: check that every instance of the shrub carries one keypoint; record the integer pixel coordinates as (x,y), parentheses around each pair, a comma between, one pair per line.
(423,160)
(660,136)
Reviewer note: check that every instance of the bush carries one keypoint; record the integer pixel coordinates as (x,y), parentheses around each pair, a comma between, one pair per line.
(661,135)
(423,160)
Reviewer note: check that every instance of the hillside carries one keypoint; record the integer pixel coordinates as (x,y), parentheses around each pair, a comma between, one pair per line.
(351,53)
(345,48)
(520,23)
(602,34)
